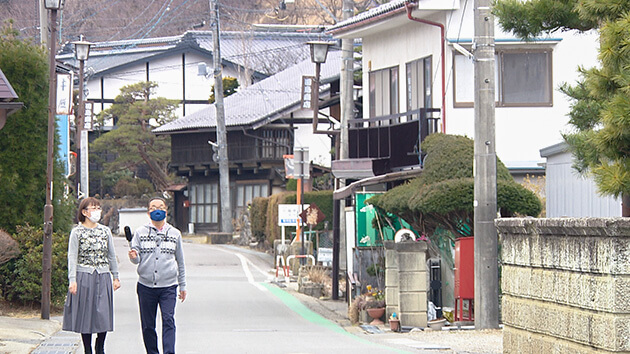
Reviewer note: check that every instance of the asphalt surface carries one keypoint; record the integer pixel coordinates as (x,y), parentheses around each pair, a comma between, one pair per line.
(24,336)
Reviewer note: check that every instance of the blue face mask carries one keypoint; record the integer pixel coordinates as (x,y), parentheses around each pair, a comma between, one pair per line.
(158,215)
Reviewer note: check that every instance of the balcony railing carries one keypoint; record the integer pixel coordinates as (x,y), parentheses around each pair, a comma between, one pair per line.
(395,137)
(263,145)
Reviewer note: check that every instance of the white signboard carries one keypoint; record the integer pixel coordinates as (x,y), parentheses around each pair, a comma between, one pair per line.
(64,93)
(324,255)
(288,214)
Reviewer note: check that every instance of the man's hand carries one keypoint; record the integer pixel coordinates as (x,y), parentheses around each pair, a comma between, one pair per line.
(182,295)
(116,284)
(73,288)
(133,254)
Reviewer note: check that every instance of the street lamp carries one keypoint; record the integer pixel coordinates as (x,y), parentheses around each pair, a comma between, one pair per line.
(53,6)
(319,51)
(81,53)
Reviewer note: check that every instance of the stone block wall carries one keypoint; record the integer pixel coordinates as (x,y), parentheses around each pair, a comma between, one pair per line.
(565,284)
(406,282)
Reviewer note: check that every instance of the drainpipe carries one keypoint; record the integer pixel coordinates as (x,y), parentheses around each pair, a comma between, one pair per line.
(409,5)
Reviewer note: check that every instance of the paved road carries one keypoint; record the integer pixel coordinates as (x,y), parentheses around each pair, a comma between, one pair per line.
(232,308)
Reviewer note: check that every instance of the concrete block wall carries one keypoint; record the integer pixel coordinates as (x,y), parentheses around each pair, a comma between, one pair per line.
(391,279)
(406,282)
(565,284)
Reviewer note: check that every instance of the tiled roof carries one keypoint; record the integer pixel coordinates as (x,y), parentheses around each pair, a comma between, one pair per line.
(255,50)
(390,7)
(6,91)
(268,99)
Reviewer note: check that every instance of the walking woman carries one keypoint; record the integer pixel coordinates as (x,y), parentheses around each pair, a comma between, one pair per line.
(89,306)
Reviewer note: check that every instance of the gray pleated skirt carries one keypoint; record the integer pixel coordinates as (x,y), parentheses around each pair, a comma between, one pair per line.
(91,309)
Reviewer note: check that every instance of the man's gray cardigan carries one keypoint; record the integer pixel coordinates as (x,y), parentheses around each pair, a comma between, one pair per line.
(160,256)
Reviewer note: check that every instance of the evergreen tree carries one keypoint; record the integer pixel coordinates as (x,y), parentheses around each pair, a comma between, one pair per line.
(132,143)
(442,197)
(23,140)
(600,110)
(230,85)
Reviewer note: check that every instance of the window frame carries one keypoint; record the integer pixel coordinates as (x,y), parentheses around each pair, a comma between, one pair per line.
(208,203)
(391,96)
(499,77)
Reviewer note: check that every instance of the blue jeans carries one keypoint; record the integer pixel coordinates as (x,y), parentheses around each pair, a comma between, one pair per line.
(149,299)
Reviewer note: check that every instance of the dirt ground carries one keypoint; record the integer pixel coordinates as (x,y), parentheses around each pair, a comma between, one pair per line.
(24,311)
(464,341)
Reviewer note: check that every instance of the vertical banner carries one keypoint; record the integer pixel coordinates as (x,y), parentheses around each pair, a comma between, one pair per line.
(63,109)
(84,164)
(63,129)
(64,94)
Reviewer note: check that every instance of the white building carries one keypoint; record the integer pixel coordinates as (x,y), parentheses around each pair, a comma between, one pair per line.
(404,69)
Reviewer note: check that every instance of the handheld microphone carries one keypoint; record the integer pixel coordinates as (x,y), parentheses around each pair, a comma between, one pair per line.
(128,234)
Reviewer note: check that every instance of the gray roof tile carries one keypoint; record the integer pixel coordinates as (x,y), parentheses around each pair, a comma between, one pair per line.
(267,99)
(391,6)
(266,52)
(6,91)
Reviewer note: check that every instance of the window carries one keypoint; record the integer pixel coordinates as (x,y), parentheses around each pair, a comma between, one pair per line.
(384,92)
(523,78)
(245,193)
(419,84)
(204,203)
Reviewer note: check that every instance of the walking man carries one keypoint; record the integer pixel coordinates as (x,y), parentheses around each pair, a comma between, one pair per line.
(157,250)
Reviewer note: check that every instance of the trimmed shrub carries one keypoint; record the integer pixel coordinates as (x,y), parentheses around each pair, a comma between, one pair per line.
(442,197)
(323,200)
(272,230)
(21,277)
(258,217)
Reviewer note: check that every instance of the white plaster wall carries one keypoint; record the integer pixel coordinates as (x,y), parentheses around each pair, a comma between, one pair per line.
(520,131)
(396,47)
(319,145)
(167,73)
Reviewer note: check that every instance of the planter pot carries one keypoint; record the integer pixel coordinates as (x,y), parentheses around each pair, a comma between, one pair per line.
(376,314)
(394,325)
(436,324)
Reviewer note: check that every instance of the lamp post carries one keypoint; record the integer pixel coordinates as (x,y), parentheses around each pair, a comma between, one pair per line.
(319,52)
(81,53)
(53,6)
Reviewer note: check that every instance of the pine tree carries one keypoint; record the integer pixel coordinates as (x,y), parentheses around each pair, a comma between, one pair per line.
(600,109)
(132,143)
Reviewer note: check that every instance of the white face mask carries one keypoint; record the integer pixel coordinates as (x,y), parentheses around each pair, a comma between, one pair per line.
(95,216)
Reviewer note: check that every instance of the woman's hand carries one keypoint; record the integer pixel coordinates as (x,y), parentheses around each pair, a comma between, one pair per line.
(73,288)
(116,284)
(133,254)
(182,295)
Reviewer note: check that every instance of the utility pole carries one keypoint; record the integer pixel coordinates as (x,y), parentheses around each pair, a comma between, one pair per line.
(485,167)
(43,24)
(224,170)
(347,112)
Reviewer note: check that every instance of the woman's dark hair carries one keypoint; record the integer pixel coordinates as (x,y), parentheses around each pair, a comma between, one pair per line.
(85,203)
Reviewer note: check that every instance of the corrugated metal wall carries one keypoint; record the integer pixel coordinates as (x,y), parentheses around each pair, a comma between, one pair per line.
(572,195)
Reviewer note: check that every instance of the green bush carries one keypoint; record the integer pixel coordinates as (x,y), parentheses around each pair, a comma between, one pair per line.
(264,213)
(272,230)
(291,185)
(21,277)
(442,197)
(258,217)
(323,200)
